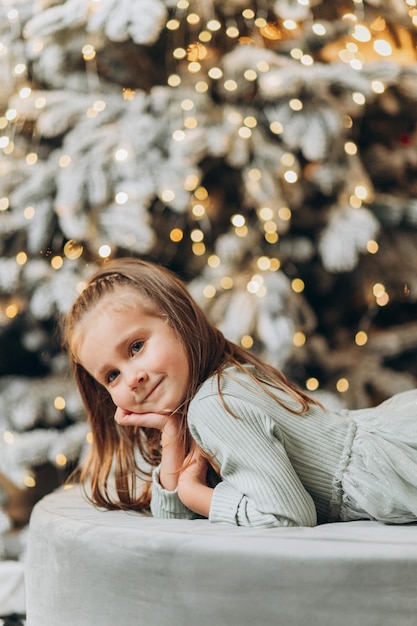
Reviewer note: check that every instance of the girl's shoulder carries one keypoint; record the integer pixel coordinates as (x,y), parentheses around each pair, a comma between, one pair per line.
(232,381)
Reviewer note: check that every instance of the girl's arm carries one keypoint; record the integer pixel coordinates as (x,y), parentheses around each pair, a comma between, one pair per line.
(165,502)
(259,485)
(192,485)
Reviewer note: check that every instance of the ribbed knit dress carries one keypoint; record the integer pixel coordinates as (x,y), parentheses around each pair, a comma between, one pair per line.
(282,469)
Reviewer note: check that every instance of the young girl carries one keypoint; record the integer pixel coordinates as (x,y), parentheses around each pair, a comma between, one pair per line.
(161,384)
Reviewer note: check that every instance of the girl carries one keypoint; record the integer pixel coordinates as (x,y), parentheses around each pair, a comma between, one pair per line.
(161,384)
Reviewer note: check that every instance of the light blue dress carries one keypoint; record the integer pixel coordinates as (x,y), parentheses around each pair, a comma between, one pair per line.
(381,474)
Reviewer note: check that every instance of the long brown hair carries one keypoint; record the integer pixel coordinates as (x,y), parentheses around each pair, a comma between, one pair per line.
(119,449)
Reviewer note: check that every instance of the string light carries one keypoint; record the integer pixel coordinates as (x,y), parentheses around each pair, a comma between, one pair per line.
(361,338)
(247,342)
(297,285)
(312,384)
(342,385)
(299,339)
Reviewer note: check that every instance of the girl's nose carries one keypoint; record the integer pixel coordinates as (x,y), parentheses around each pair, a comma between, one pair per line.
(134,377)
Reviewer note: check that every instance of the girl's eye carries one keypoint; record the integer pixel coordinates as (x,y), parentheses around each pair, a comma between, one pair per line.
(111,377)
(136,347)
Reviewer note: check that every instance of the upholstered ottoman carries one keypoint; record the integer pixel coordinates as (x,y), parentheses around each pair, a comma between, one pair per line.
(88,567)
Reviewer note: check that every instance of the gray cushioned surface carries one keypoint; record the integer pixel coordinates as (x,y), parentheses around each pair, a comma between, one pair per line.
(88,567)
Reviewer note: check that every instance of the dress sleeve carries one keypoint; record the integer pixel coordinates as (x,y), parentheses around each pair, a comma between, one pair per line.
(259,485)
(166,504)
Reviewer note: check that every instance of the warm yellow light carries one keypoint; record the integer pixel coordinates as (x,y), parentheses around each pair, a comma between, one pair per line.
(226,282)
(4,203)
(59,403)
(198,210)
(295,104)
(271,237)
(201,193)
(361,338)
(199,249)
(342,385)
(21,258)
(61,459)
(29,213)
(57,262)
(213,261)
(264,263)
(372,246)
(351,148)
(167,195)
(174,80)
(196,235)
(297,285)
(88,52)
(209,291)
(299,339)
(284,213)
(246,342)
(176,235)
(11,311)
(312,384)
(73,249)
(276,128)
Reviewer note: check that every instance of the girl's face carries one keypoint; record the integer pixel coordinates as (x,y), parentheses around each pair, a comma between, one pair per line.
(136,356)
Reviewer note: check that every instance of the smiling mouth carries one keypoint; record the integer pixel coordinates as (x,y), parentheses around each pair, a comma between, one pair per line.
(151,392)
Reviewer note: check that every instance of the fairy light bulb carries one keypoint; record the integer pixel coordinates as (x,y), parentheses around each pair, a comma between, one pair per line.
(4,203)
(29,481)
(226,283)
(73,250)
(213,261)
(295,104)
(104,251)
(361,338)
(289,24)
(198,211)
(372,246)
(61,460)
(382,47)
(319,29)
(297,285)
(121,154)
(209,292)
(342,385)
(57,262)
(291,176)
(121,197)
(299,339)
(196,235)
(312,384)
(247,342)
(176,235)
(361,33)
(59,403)
(21,258)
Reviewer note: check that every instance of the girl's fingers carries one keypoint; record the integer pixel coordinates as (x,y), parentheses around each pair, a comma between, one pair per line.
(145,420)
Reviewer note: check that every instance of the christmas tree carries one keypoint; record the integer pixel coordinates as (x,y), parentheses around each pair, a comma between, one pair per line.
(264,150)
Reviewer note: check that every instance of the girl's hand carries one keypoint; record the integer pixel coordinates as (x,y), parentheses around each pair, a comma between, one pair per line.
(192,485)
(145,420)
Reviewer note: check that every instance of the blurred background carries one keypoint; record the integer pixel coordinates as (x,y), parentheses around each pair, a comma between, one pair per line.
(265,150)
